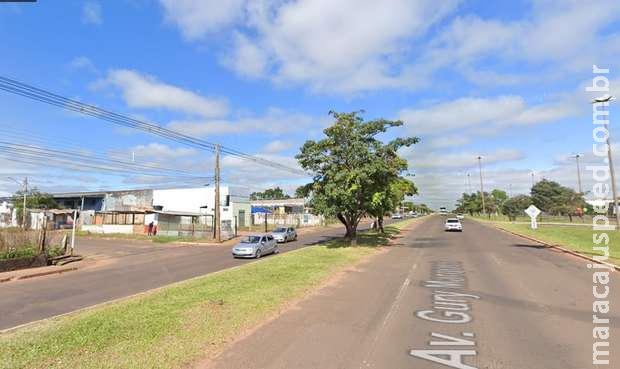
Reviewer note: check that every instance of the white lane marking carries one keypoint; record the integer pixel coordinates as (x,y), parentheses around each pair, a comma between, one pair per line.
(496,260)
(393,309)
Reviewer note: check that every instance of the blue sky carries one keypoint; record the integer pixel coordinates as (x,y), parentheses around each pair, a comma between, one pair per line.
(503,81)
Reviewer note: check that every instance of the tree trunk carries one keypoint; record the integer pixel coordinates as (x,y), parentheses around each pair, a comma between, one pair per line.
(380,221)
(350,228)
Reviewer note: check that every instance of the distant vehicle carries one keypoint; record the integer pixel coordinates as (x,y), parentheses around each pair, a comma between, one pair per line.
(460,216)
(443,211)
(453,224)
(283,234)
(255,246)
(397,216)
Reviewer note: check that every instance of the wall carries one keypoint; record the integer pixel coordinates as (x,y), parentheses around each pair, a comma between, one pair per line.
(128,200)
(108,228)
(295,220)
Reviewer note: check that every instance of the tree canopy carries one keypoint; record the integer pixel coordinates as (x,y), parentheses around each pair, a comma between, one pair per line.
(270,194)
(353,170)
(553,198)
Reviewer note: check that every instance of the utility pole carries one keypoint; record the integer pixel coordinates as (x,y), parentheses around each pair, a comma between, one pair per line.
(604,101)
(218,221)
(577,156)
(510,189)
(25,184)
(24,209)
(532,174)
(484,210)
(469,183)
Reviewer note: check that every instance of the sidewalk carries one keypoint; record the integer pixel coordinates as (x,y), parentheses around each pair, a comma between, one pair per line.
(16,275)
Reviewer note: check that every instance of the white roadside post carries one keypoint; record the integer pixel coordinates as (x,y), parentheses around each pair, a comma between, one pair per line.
(533,212)
(73,231)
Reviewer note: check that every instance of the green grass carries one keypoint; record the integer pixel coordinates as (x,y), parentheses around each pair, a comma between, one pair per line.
(174,326)
(143,237)
(574,238)
(29,251)
(587,219)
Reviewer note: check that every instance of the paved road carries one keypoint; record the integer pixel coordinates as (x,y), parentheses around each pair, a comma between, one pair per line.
(123,269)
(497,302)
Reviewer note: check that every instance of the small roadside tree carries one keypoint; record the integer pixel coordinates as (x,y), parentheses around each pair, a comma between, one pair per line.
(386,201)
(270,194)
(351,165)
(35,199)
(515,206)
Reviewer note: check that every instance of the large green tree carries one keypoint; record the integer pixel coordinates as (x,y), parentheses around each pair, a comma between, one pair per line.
(351,166)
(270,194)
(553,198)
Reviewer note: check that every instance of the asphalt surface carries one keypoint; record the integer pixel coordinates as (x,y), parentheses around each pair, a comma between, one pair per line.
(123,268)
(477,299)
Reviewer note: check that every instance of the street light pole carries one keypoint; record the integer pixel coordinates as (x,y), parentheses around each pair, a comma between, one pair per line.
(469,183)
(218,220)
(484,211)
(577,156)
(604,102)
(532,174)
(25,184)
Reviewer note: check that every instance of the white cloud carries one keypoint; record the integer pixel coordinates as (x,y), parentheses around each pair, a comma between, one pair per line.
(92,13)
(83,62)
(277,146)
(247,59)
(494,112)
(154,152)
(334,46)
(275,122)
(438,160)
(144,91)
(195,19)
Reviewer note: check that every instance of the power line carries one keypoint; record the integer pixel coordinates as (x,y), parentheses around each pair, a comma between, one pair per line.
(34,93)
(79,161)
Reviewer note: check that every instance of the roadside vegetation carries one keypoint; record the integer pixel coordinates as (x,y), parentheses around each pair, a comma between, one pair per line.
(574,238)
(174,326)
(550,197)
(17,243)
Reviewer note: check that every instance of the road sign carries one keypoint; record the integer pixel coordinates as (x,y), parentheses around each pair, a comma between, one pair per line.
(533,212)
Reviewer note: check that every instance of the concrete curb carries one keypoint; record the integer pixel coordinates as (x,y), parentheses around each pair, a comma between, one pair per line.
(39,274)
(557,247)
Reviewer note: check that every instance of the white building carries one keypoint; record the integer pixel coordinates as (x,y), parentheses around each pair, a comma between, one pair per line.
(235,208)
(8,215)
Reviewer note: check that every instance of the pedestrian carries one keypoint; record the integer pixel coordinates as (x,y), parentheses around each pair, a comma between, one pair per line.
(150,228)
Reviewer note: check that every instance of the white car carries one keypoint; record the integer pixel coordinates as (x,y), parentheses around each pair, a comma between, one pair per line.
(453,224)
(460,216)
(397,216)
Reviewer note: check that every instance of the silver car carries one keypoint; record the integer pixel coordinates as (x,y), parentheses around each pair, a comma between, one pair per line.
(283,234)
(255,246)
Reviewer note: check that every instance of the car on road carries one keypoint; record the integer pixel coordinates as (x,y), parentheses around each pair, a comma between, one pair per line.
(453,224)
(460,216)
(397,216)
(283,234)
(255,246)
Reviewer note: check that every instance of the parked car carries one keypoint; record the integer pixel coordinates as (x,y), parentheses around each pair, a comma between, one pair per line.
(255,246)
(397,216)
(283,234)
(460,216)
(453,224)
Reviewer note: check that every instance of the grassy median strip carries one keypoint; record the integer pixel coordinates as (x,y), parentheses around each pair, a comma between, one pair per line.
(171,327)
(574,238)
